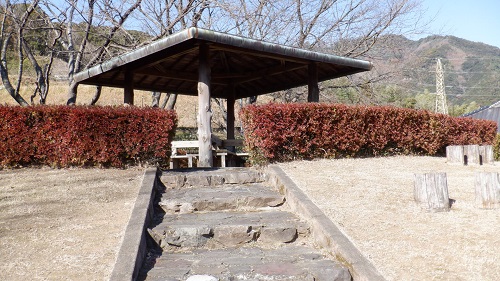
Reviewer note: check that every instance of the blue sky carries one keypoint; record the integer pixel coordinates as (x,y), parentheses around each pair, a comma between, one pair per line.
(474,20)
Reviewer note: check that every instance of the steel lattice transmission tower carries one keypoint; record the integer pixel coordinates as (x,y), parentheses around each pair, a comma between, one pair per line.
(441,106)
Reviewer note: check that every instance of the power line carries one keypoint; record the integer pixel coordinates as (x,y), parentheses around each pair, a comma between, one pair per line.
(460,87)
(454,72)
(460,59)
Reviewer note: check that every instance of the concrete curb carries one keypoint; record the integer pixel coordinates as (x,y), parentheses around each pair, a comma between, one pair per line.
(133,249)
(326,234)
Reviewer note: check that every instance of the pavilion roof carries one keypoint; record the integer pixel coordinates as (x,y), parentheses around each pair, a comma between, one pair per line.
(239,65)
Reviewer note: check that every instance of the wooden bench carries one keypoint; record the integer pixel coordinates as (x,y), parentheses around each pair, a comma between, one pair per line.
(223,149)
(175,157)
(232,144)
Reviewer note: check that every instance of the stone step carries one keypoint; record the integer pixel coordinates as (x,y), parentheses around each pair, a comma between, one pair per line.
(227,229)
(188,200)
(210,177)
(283,263)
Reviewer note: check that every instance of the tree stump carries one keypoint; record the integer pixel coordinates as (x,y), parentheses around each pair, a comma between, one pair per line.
(431,191)
(486,154)
(487,190)
(471,155)
(455,154)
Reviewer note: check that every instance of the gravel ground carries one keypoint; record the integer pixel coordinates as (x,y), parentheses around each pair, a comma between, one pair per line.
(67,224)
(64,224)
(371,200)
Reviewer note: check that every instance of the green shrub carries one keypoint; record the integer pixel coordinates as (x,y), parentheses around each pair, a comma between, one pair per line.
(496,148)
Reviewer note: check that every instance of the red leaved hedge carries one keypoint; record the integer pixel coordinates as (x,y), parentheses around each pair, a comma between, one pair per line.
(62,136)
(281,132)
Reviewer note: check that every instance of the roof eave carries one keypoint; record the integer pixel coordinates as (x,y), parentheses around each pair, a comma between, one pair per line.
(220,38)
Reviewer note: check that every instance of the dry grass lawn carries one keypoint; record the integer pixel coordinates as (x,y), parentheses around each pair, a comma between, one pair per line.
(371,200)
(64,224)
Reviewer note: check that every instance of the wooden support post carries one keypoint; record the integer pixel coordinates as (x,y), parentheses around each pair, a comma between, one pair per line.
(486,153)
(128,92)
(487,190)
(471,155)
(312,86)
(230,116)
(431,191)
(455,154)
(230,128)
(204,109)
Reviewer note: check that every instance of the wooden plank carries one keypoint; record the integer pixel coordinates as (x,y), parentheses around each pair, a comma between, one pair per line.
(216,141)
(232,142)
(185,144)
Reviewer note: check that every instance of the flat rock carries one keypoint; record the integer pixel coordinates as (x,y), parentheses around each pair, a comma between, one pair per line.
(285,263)
(225,198)
(201,278)
(200,177)
(227,229)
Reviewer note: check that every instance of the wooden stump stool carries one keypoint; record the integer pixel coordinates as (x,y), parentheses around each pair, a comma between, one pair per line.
(431,191)
(455,154)
(487,190)
(486,154)
(470,154)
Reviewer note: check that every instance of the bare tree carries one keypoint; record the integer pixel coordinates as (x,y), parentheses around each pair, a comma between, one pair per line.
(342,27)
(96,30)
(20,21)
(162,18)
(167,103)
(93,30)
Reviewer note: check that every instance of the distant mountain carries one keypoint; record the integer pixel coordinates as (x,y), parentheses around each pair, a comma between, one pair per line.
(471,69)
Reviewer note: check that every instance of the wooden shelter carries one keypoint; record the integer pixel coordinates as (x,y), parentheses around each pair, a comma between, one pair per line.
(207,64)
(491,112)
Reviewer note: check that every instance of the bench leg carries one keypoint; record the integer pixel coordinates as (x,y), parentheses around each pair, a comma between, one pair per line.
(174,163)
(223,161)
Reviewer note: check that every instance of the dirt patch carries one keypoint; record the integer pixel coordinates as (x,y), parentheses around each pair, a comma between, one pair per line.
(64,224)
(371,200)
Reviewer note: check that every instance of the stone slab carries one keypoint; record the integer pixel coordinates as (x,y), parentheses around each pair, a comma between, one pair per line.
(230,197)
(227,229)
(185,178)
(133,249)
(285,263)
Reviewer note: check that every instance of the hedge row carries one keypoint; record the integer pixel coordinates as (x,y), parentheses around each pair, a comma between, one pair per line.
(282,132)
(62,136)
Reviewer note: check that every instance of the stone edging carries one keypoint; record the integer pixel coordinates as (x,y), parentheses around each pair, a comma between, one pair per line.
(326,234)
(133,249)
